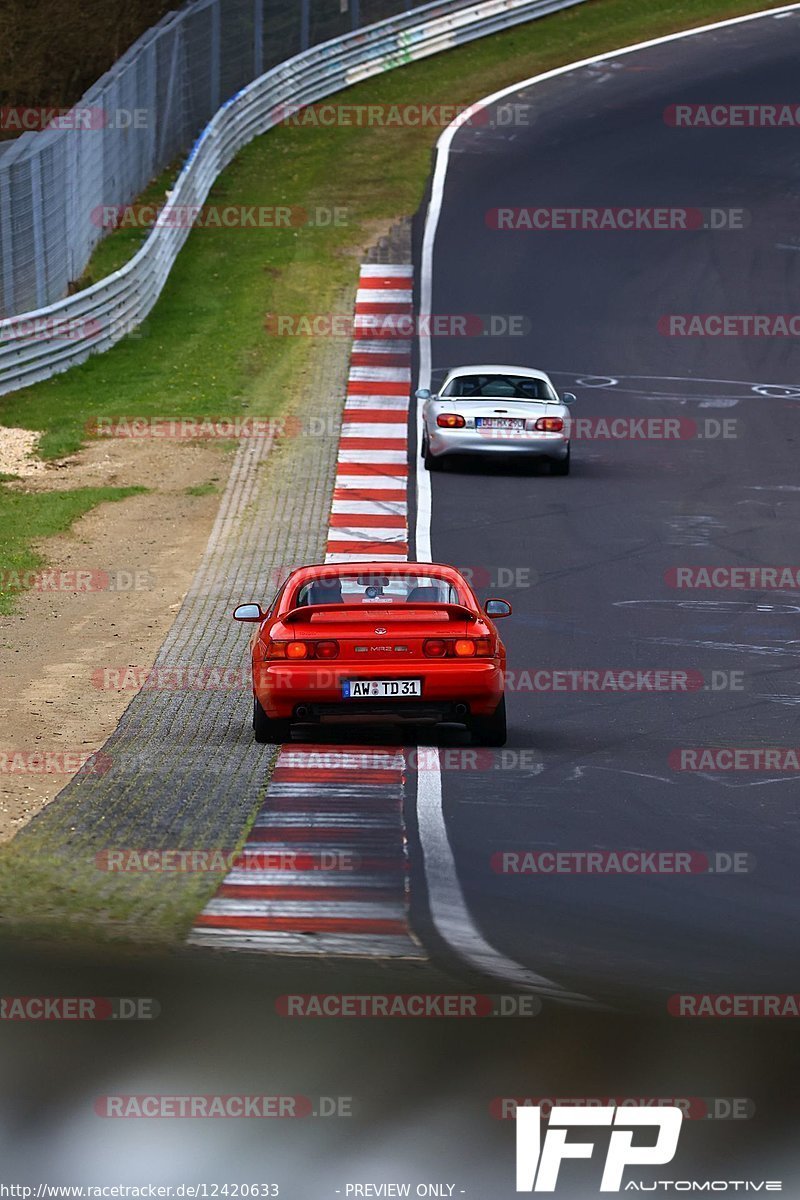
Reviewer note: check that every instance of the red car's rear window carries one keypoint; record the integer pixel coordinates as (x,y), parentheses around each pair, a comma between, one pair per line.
(354,587)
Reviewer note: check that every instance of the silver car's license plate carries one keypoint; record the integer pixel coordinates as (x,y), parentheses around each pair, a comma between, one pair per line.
(380,689)
(499,423)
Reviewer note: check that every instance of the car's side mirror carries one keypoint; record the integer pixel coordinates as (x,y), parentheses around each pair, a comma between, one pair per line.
(497,608)
(423,393)
(568,398)
(248,612)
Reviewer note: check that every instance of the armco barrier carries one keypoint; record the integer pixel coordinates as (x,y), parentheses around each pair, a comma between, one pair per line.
(38,344)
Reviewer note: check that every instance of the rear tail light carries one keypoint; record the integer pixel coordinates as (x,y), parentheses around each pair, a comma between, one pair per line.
(450,421)
(549,425)
(328,649)
(473,647)
(435,648)
(480,647)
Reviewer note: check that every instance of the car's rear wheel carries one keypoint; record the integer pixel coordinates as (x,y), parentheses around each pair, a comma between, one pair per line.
(491,730)
(560,466)
(267,730)
(431,463)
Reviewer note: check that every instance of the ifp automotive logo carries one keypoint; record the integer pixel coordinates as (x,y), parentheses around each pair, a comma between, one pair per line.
(538,1160)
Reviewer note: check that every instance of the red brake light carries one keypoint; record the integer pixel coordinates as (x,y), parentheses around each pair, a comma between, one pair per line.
(480,647)
(549,424)
(450,421)
(435,647)
(473,647)
(329,649)
(326,649)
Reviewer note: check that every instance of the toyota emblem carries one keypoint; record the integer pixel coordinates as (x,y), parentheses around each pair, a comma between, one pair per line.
(380,629)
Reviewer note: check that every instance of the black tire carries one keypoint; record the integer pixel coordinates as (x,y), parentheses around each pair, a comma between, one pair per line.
(560,466)
(431,463)
(267,731)
(490,731)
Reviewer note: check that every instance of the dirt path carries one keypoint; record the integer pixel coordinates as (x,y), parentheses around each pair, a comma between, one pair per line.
(144,551)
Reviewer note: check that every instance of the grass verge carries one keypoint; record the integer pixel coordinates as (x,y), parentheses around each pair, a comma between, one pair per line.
(28,517)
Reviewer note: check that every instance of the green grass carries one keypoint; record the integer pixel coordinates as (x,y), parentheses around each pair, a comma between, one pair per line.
(201,489)
(204,351)
(57,893)
(26,517)
(116,249)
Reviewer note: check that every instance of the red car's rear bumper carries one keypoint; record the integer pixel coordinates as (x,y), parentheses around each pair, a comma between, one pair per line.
(281,687)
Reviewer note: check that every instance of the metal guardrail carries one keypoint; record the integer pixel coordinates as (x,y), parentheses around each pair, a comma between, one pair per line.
(38,344)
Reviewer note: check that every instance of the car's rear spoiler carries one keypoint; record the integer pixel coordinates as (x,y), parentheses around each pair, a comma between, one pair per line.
(379,612)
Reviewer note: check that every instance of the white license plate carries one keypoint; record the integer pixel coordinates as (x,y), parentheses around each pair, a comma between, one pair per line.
(380,689)
(500,423)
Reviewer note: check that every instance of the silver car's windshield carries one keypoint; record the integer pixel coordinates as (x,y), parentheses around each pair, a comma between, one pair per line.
(505,387)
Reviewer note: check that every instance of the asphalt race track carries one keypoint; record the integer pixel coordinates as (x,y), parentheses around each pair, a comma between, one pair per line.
(595,772)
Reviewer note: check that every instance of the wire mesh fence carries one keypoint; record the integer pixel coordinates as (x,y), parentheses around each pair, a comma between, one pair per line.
(136,120)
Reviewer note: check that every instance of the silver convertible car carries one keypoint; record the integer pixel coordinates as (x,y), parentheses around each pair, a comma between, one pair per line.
(497,410)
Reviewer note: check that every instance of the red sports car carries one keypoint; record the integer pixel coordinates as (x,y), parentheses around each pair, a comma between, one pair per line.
(381,642)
